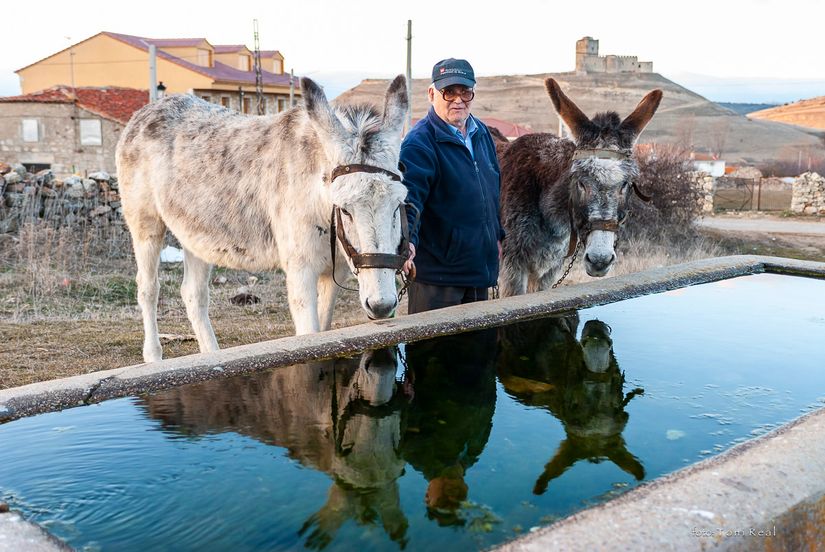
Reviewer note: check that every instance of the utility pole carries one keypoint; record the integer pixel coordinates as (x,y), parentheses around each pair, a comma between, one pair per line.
(153,73)
(75,114)
(259,81)
(409,73)
(291,88)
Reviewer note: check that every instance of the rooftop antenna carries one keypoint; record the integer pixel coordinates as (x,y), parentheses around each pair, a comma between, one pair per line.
(259,80)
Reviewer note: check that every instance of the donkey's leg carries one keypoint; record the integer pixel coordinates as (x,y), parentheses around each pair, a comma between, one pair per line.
(327,293)
(513,279)
(195,293)
(549,278)
(147,244)
(302,292)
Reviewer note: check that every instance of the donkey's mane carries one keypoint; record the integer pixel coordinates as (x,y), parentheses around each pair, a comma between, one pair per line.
(606,129)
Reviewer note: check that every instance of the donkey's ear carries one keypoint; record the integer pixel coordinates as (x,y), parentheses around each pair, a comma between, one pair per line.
(637,121)
(396,105)
(570,113)
(319,110)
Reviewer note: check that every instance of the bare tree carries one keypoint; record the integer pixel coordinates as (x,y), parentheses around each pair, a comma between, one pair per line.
(719,132)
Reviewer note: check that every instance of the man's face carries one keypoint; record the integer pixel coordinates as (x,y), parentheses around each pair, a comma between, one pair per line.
(454,109)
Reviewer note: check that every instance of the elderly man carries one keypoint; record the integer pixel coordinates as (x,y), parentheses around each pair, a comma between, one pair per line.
(449,165)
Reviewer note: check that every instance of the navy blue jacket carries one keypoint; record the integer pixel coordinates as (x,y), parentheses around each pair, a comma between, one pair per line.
(459,202)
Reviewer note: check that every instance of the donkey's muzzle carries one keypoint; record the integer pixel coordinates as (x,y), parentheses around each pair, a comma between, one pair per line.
(380,309)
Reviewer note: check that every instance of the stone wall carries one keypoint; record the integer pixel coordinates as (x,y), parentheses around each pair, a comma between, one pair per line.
(43,198)
(707,186)
(809,194)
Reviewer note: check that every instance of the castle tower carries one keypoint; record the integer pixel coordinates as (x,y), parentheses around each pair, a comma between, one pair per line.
(585,47)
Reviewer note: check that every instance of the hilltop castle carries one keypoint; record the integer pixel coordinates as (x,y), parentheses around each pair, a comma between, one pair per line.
(588,60)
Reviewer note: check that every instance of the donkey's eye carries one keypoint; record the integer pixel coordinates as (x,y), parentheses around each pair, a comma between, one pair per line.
(346,213)
(582,187)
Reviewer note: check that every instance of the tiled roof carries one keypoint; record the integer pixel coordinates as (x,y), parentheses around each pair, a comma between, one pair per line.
(116,104)
(228,48)
(176,42)
(510,130)
(271,53)
(220,72)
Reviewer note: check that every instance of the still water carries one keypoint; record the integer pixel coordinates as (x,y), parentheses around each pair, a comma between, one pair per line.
(462,441)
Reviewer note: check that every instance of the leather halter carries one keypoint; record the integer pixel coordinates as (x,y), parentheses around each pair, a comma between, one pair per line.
(342,170)
(369,260)
(607,225)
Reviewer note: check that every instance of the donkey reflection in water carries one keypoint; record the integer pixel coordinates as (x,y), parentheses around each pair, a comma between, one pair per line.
(559,195)
(256,193)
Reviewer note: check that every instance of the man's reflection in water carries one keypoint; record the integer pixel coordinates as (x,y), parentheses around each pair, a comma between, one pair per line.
(342,417)
(449,419)
(580,383)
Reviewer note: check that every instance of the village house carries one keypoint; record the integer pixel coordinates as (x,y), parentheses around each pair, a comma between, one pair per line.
(75,103)
(219,74)
(66,130)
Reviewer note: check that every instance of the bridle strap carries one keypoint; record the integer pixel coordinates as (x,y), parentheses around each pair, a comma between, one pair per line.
(342,170)
(600,153)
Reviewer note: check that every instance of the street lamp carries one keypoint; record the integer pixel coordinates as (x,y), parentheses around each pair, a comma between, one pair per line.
(161,89)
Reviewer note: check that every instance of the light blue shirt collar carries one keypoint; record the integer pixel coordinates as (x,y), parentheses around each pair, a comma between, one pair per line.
(472,127)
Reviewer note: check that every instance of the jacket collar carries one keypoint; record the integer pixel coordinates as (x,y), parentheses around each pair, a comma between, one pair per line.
(443,131)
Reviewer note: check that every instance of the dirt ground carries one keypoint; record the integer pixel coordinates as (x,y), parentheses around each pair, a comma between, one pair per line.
(756,233)
(94,324)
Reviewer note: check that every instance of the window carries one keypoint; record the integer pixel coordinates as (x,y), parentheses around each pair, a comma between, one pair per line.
(277,66)
(281,104)
(243,63)
(225,101)
(31,130)
(204,57)
(90,134)
(246,105)
(206,98)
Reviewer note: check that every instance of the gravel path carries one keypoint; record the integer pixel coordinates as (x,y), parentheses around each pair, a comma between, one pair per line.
(768,225)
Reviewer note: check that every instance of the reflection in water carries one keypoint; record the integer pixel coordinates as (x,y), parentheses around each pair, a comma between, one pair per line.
(448,422)
(349,417)
(341,417)
(542,364)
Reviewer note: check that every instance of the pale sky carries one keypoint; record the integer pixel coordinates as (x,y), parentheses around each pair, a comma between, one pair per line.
(728,39)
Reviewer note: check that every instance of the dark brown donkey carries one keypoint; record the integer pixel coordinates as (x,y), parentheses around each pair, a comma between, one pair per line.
(558,196)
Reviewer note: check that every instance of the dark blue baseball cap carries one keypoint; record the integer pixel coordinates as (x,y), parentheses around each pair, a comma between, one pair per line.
(453,71)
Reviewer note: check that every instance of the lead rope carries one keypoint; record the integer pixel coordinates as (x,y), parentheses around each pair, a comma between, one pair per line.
(569,266)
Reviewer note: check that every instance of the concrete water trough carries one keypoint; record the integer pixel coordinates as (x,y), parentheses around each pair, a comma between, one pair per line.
(756,495)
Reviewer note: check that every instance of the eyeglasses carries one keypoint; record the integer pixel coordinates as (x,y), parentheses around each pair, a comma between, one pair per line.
(452,93)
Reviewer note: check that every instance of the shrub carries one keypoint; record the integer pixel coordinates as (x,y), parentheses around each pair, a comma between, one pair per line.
(665,176)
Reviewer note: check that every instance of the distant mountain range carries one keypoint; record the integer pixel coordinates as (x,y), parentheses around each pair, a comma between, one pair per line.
(761,90)
(745,108)
(684,116)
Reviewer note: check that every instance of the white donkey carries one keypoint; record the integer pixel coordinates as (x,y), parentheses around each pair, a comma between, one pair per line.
(257,193)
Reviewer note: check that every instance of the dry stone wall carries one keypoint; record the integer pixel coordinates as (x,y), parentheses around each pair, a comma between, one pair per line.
(40,197)
(809,194)
(706,185)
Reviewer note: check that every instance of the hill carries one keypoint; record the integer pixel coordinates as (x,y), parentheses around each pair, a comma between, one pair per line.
(683,117)
(806,113)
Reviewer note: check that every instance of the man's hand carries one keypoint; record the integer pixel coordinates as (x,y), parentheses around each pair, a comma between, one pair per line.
(408,264)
